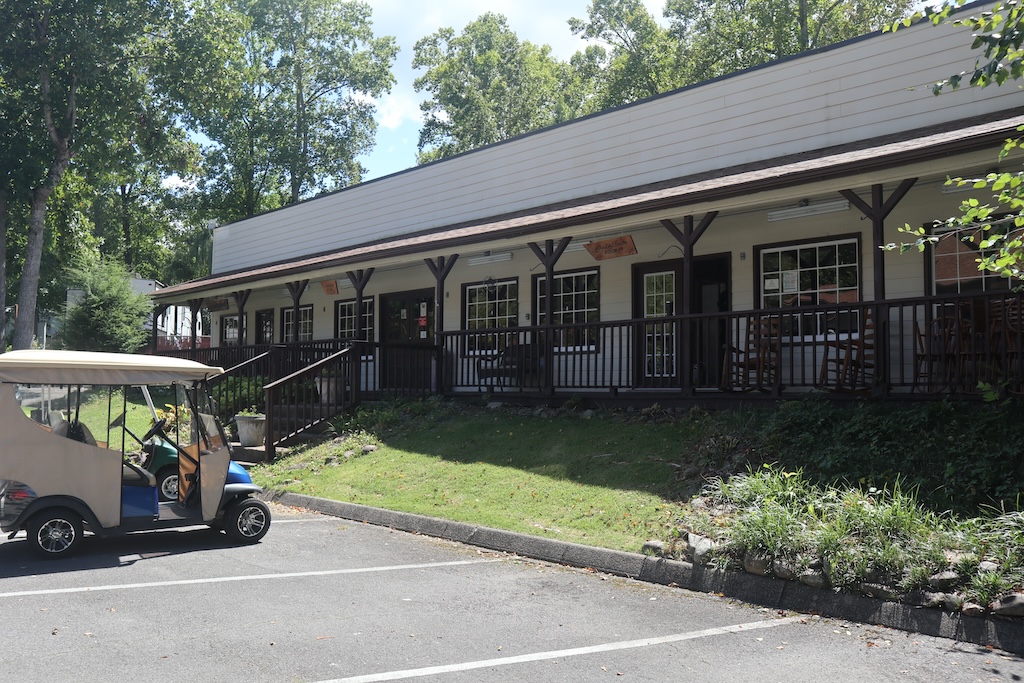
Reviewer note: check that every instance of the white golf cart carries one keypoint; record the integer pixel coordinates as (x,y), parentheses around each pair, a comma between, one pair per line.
(57,479)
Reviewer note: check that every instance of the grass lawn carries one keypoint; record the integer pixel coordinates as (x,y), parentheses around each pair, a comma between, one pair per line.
(586,481)
(883,493)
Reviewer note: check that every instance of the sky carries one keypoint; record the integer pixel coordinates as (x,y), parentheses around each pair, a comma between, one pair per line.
(398,114)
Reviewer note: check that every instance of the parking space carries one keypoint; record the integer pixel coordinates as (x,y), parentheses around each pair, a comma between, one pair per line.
(323,599)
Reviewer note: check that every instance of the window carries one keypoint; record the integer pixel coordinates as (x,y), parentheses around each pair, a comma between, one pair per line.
(264,326)
(811,274)
(954,264)
(490,305)
(229,330)
(305,324)
(345,320)
(574,301)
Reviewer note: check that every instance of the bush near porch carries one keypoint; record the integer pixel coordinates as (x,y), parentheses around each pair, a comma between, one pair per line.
(933,478)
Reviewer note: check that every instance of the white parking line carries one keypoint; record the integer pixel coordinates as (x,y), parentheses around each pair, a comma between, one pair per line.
(229,579)
(561,654)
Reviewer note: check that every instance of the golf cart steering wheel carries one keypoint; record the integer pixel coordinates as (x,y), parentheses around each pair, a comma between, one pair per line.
(155,429)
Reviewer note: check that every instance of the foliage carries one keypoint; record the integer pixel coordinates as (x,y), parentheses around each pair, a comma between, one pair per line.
(955,455)
(88,77)
(299,109)
(996,227)
(643,59)
(485,86)
(110,315)
(232,393)
(722,36)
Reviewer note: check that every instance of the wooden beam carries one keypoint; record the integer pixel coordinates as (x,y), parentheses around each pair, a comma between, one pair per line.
(241,297)
(158,311)
(194,306)
(359,279)
(877,210)
(440,269)
(296,289)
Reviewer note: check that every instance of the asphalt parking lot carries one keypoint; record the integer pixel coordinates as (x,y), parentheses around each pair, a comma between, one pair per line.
(324,599)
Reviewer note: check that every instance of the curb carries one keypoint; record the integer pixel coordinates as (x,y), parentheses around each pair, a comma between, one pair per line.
(1004,634)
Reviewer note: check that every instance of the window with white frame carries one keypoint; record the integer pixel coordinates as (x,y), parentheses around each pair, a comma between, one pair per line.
(345,325)
(490,305)
(811,274)
(305,324)
(229,328)
(574,302)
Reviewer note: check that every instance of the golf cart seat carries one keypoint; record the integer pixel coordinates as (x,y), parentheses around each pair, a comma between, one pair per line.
(132,475)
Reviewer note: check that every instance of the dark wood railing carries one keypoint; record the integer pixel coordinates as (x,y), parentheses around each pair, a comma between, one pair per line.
(964,344)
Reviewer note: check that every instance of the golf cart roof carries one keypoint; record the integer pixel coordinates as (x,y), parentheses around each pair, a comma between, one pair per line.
(86,367)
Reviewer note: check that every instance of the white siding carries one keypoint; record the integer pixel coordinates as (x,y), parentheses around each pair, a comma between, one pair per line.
(855,91)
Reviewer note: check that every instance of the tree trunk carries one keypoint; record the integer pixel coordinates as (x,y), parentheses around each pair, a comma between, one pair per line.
(125,192)
(3,271)
(28,292)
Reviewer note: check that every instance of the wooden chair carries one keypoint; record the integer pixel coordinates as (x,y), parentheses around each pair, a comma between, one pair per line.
(755,364)
(936,355)
(849,364)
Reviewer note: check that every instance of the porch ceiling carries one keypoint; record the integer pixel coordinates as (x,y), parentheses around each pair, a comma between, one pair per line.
(924,144)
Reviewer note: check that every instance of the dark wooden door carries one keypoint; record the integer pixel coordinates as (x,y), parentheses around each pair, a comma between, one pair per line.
(407,335)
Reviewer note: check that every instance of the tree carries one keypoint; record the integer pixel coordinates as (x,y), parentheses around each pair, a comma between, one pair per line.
(999,33)
(108,315)
(723,36)
(77,69)
(485,86)
(643,57)
(300,108)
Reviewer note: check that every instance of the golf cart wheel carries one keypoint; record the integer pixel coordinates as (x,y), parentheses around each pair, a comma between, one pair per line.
(167,484)
(247,520)
(54,533)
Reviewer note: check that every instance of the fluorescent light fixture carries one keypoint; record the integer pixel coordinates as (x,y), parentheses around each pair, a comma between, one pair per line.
(808,210)
(576,246)
(344,283)
(488,257)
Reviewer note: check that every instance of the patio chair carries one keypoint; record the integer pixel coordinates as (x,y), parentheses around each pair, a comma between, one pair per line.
(849,364)
(755,364)
(937,355)
(515,365)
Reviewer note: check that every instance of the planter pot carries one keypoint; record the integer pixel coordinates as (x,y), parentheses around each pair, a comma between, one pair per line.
(252,429)
(329,389)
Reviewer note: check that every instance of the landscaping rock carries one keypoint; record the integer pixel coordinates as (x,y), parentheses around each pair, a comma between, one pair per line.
(935,600)
(973,609)
(954,602)
(943,581)
(369,448)
(1009,605)
(814,578)
(880,591)
(987,566)
(653,547)
(701,549)
(587,415)
(756,563)
(495,405)
(349,454)
(784,570)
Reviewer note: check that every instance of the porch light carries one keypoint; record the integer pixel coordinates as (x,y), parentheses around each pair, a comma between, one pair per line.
(808,209)
(488,257)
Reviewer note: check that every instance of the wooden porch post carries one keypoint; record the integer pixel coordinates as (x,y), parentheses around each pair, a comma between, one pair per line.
(296,289)
(877,211)
(158,311)
(241,297)
(687,238)
(549,257)
(194,306)
(440,269)
(359,279)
